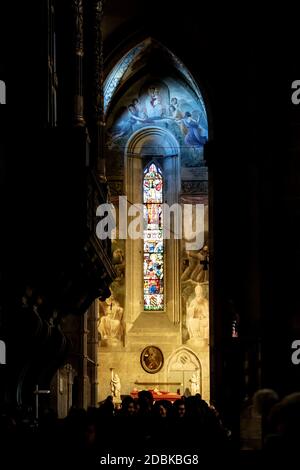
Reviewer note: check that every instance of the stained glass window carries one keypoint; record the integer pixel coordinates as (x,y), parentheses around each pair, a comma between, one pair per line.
(153,239)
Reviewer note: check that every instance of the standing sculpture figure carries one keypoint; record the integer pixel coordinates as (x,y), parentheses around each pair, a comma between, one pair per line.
(194,384)
(111,322)
(197,311)
(115,386)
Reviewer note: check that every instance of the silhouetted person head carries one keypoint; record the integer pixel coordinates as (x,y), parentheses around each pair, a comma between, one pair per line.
(145,400)
(263,401)
(179,408)
(128,408)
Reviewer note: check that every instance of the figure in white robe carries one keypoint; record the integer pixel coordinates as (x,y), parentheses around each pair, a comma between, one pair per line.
(111,322)
(197,315)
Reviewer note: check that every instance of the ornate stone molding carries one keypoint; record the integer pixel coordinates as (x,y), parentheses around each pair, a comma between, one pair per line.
(98,12)
(77,8)
(78,16)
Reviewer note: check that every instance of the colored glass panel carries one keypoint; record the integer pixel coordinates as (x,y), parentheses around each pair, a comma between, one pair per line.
(153,239)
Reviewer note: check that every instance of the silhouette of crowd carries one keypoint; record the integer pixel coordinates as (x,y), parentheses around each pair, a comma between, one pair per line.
(139,426)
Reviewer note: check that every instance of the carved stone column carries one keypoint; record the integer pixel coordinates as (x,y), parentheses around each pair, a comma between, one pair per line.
(78,110)
(172,246)
(83,368)
(98,97)
(134,248)
(93,344)
(51,72)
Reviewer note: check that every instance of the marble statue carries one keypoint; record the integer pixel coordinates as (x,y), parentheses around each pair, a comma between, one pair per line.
(197,314)
(194,384)
(111,322)
(115,385)
(196,267)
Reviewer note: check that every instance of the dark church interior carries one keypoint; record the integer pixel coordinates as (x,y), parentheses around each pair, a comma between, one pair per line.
(100,95)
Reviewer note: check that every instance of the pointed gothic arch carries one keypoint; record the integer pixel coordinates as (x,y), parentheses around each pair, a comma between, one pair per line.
(128,64)
(181,365)
(142,148)
(156,114)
